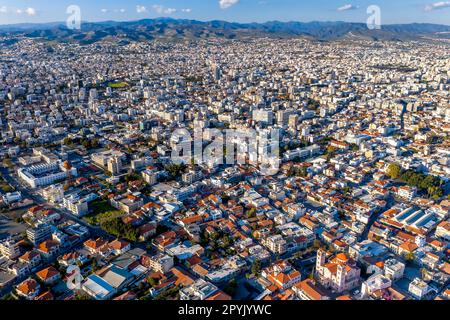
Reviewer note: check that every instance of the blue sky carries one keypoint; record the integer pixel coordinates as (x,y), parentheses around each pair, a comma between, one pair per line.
(392,11)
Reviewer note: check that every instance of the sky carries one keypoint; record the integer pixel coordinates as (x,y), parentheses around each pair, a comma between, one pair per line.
(392,11)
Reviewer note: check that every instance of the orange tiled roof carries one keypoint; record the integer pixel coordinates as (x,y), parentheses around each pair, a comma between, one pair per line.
(47,273)
(28,286)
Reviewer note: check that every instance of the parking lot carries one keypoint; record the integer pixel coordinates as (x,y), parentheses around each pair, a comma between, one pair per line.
(8,227)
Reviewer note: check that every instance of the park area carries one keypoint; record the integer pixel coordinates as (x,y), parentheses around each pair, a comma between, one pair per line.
(118,85)
(102,211)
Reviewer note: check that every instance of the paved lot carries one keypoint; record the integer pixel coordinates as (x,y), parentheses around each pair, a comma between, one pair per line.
(9,228)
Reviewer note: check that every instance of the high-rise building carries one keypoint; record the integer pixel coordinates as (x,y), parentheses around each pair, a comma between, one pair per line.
(115,165)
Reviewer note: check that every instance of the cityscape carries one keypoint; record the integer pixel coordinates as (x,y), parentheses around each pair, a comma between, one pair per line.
(175,159)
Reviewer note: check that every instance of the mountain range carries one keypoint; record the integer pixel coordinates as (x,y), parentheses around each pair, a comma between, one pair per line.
(181,29)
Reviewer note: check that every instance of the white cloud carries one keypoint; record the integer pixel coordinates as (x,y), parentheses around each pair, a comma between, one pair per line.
(104,10)
(225,4)
(438,5)
(30,11)
(122,10)
(187,10)
(141,9)
(347,7)
(163,10)
(3,9)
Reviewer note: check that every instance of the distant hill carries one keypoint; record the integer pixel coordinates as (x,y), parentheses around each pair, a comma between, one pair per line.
(167,28)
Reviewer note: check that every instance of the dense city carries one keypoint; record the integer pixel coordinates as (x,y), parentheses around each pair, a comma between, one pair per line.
(93,205)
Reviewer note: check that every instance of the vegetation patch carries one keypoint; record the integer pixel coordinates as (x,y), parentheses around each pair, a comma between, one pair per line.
(102,212)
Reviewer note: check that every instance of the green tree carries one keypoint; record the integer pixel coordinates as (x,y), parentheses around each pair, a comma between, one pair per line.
(256,267)
(67,141)
(394,171)
(152,282)
(409,256)
(251,213)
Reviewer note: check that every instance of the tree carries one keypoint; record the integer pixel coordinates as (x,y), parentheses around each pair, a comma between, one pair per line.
(7,163)
(94,265)
(67,141)
(117,228)
(82,297)
(230,289)
(317,244)
(152,282)
(174,169)
(394,171)
(251,213)
(329,153)
(256,267)
(226,241)
(9,297)
(409,256)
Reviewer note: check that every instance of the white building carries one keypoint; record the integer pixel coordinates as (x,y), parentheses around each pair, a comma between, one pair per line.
(150,176)
(115,165)
(275,244)
(418,288)
(9,249)
(46,174)
(12,197)
(394,269)
(78,207)
(199,290)
(54,193)
(375,283)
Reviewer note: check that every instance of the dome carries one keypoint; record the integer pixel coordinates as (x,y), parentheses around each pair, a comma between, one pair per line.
(67,165)
(342,257)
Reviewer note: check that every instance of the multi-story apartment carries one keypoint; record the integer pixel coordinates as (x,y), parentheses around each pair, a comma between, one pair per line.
(406,192)
(39,234)
(275,244)
(9,249)
(78,207)
(159,263)
(394,269)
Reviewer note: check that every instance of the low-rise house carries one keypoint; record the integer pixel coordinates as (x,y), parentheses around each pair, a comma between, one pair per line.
(119,247)
(49,248)
(282,275)
(72,258)
(146,231)
(199,290)
(419,288)
(309,290)
(96,246)
(49,275)
(29,289)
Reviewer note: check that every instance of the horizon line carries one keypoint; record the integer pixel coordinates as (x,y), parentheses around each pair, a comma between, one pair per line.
(218,20)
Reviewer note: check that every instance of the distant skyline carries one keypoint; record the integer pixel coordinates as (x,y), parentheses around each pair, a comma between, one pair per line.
(392,12)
